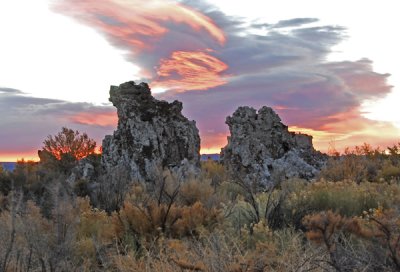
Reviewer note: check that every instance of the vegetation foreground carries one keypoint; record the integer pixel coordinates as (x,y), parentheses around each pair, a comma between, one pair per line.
(348,219)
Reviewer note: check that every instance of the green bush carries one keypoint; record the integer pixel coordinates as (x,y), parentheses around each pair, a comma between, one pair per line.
(345,198)
(390,172)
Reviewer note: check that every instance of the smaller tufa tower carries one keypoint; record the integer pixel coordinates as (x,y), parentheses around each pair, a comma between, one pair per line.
(261,150)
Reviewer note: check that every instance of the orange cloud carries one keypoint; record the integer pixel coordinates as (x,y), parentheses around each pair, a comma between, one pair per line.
(102,119)
(342,122)
(195,71)
(134,23)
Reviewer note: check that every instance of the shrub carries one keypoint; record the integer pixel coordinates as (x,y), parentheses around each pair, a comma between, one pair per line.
(345,198)
(196,190)
(383,226)
(390,172)
(5,183)
(69,142)
(363,163)
(348,167)
(170,208)
(214,171)
(372,243)
(94,234)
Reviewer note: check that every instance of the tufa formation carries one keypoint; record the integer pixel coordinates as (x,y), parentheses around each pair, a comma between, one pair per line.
(151,135)
(261,150)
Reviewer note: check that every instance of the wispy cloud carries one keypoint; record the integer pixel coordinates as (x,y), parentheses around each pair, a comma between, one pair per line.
(193,70)
(137,25)
(294,22)
(175,38)
(289,71)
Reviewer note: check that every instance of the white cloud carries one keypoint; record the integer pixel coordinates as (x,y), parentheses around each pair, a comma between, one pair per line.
(49,55)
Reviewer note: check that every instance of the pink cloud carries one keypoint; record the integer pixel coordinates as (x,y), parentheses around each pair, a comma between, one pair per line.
(194,70)
(137,24)
(287,71)
(359,78)
(100,118)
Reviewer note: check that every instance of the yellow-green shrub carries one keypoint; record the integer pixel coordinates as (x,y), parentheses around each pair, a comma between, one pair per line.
(214,171)
(390,172)
(345,198)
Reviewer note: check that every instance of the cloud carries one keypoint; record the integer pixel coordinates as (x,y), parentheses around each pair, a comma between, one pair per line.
(294,22)
(194,70)
(102,117)
(190,46)
(27,121)
(136,25)
(288,71)
(9,91)
(159,34)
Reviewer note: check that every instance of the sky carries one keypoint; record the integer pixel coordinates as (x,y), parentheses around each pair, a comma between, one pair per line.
(328,68)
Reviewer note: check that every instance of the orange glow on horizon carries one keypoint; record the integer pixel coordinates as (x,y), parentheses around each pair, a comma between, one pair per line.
(342,133)
(210,150)
(377,134)
(16,156)
(321,139)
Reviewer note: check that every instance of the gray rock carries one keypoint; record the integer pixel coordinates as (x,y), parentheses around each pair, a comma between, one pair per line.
(84,170)
(151,135)
(261,150)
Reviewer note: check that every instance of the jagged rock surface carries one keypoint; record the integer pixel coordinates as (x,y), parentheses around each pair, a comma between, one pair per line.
(261,149)
(151,135)
(84,170)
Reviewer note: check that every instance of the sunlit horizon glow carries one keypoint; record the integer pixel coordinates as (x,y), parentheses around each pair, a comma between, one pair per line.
(333,77)
(323,141)
(18,156)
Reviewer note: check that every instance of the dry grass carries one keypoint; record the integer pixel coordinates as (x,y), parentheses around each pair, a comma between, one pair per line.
(210,224)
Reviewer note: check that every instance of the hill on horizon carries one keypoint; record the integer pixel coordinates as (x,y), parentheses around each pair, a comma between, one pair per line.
(8,166)
(214,157)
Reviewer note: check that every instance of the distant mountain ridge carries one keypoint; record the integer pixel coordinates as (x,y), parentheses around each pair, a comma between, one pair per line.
(214,157)
(8,166)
